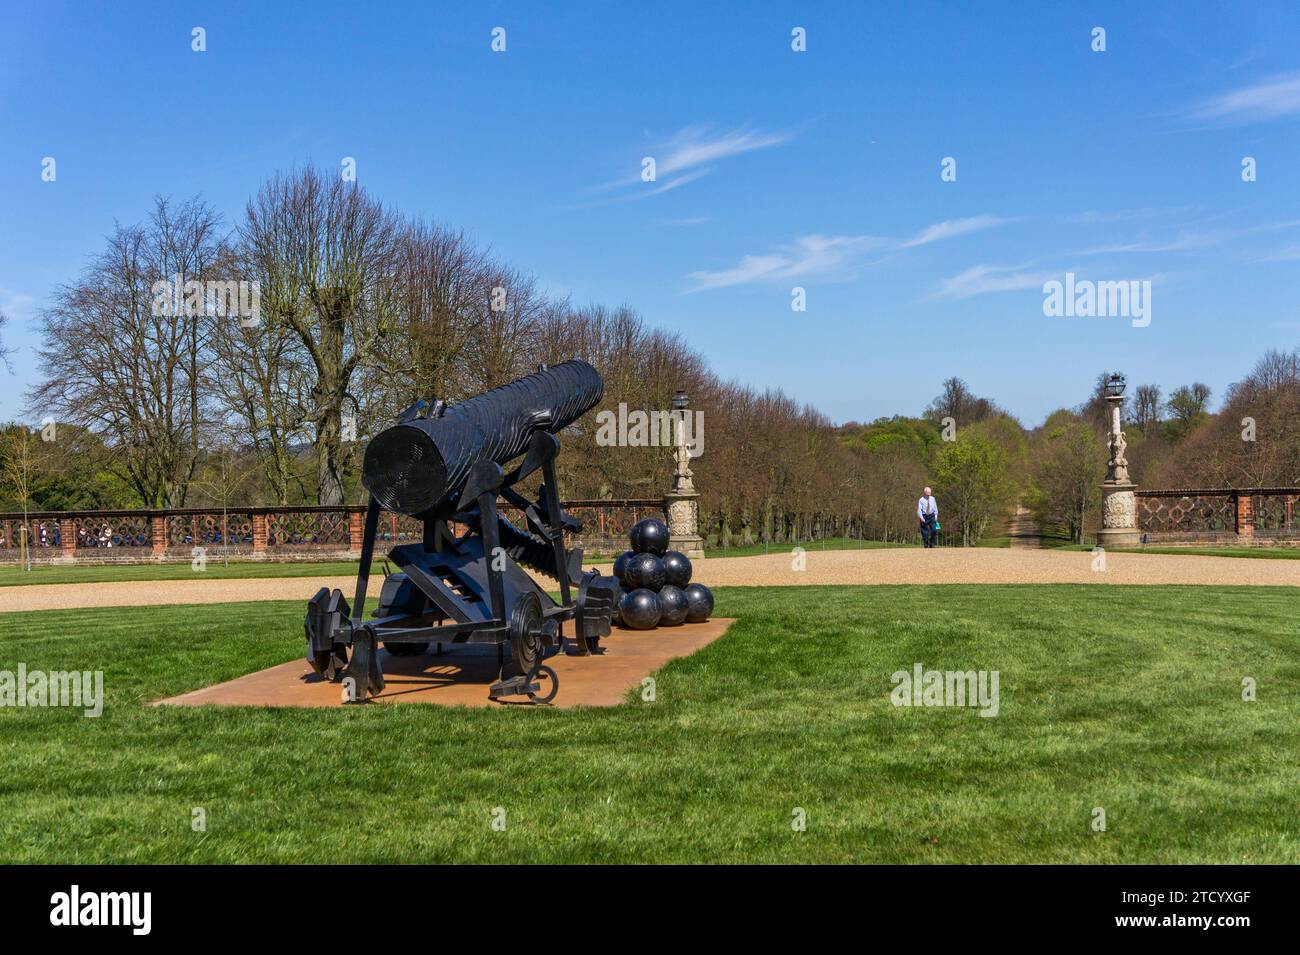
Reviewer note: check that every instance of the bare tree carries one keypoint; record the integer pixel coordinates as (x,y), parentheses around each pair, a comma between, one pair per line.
(322,250)
(961,404)
(1146,406)
(4,352)
(18,466)
(508,314)
(440,292)
(123,344)
(261,375)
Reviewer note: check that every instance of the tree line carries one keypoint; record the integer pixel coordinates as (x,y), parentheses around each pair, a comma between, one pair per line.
(200,362)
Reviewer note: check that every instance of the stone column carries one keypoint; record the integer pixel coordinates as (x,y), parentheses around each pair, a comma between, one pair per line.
(682,504)
(1118,502)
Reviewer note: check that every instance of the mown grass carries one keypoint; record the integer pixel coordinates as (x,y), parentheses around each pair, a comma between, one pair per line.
(1124,698)
(11,576)
(214,569)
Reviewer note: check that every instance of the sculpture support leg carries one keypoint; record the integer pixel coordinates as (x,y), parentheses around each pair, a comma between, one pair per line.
(556,526)
(363,678)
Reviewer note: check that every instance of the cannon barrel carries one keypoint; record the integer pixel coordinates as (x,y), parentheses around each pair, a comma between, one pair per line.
(417,467)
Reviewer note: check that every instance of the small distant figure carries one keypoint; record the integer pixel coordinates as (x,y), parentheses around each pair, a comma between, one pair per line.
(927,512)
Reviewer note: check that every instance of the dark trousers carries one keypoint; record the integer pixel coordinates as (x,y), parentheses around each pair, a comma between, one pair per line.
(928,533)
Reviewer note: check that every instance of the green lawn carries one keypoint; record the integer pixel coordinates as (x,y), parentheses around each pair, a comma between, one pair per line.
(91,574)
(790,709)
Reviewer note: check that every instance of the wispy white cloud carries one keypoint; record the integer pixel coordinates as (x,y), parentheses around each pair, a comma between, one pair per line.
(833,255)
(690,154)
(950,228)
(1272,98)
(686,220)
(807,255)
(661,187)
(1193,239)
(1095,216)
(986,279)
(697,145)
(1248,57)
(1184,242)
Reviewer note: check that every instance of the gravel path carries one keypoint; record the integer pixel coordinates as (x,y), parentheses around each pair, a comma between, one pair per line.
(1022,529)
(884,566)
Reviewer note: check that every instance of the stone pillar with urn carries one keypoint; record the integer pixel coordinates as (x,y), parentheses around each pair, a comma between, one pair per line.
(682,502)
(1119,526)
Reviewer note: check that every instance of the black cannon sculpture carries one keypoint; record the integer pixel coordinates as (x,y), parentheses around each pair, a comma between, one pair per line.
(442,463)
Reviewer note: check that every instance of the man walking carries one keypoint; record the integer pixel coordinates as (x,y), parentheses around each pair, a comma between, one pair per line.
(927,512)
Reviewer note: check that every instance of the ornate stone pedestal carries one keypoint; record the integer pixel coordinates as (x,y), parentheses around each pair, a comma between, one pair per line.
(1119,527)
(683,511)
(1119,524)
(682,504)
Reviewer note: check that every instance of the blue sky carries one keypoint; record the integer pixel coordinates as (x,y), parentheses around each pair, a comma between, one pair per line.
(775,169)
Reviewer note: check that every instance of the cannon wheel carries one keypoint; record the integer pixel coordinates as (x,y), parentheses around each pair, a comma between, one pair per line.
(552,683)
(526,632)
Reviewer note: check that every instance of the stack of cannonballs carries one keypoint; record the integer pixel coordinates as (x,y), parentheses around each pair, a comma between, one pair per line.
(656,582)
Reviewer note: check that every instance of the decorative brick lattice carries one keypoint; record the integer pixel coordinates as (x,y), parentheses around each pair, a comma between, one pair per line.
(605,526)
(271,533)
(1275,515)
(43,538)
(1246,516)
(231,532)
(395,529)
(1187,514)
(298,530)
(130,531)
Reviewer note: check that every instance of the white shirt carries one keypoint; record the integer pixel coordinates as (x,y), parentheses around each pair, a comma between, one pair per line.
(927,505)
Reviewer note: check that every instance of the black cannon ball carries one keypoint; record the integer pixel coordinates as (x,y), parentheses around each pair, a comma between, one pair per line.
(677,568)
(644,570)
(620,564)
(639,609)
(673,606)
(650,536)
(699,601)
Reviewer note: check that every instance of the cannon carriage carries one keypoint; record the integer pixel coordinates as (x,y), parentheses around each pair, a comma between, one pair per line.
(445,464)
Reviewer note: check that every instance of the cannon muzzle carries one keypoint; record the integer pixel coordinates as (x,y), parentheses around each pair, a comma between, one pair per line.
(420,467)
